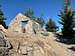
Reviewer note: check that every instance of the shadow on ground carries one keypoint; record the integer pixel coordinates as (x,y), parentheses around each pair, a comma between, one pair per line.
(68,40)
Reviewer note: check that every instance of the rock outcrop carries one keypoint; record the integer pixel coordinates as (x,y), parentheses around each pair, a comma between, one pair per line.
(4,45)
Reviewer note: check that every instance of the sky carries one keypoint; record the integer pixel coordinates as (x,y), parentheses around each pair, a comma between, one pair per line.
(49,8)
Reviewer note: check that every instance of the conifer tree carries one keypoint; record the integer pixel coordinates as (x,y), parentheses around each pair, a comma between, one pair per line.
(51,26)
(66,19)
(2,19)
(41,21)
(29,13)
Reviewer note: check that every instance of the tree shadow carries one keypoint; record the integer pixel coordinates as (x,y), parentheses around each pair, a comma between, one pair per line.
(65,39)
(72,48)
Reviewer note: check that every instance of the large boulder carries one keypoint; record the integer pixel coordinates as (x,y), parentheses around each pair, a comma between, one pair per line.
(4,44)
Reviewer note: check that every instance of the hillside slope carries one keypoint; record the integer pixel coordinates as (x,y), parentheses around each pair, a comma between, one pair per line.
(36,45)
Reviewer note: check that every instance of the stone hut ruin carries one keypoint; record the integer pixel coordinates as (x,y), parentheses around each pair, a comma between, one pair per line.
(23,24)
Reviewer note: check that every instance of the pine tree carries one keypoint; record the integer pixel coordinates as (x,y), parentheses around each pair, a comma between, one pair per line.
(50,26)
(66,21)
(41,21)
(29,13)
(66,17)
(2,19)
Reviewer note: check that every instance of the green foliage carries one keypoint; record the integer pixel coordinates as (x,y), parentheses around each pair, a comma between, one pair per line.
(41,21)
(73,24)
(2,18)
(50,26)
(67,21)
(29,13)
(67,4)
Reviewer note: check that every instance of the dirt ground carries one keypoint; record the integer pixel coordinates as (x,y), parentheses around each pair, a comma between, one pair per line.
(37,45)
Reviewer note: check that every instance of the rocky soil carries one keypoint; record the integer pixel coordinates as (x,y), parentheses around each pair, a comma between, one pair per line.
(37,45)
(40,44)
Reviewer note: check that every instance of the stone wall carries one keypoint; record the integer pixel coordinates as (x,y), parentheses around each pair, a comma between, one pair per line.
(16,25)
